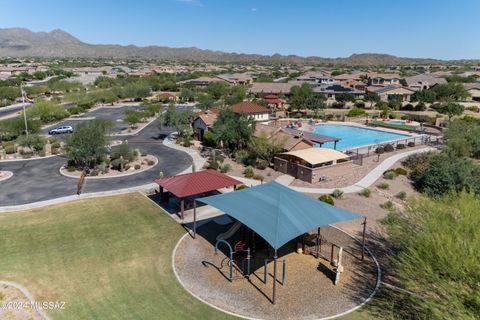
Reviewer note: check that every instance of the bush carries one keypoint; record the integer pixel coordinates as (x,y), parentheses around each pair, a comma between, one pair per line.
(226,168)
(71,168)
(93,173)
(143,153)
(380,150)
(241,156)
(119,164)
(208,139)
(137,167)
(356,112)
(150,162)
(411,144)
(214,165)
(261,164)
(249,172)
(242,186)
(400,146)
(383,186)
(9,149)
(366,193)
(327,199)
(388,148)
(258,177)
(408,107)
(420,107)
(337,194)
(56,145)
(400,171)
(388,205)
(338,105)
(390,175)
(74,110)
(360,104)
(123,151)
(402,195)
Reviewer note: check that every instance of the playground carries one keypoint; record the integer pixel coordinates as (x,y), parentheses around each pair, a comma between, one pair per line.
(275,255)
(308,289)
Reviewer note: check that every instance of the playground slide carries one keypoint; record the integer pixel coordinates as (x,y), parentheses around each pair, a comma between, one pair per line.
(227,234)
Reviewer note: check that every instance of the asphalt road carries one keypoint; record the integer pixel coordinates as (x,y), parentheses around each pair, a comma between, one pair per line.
(38,180)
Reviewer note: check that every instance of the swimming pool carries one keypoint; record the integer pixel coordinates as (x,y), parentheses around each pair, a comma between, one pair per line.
(355,136)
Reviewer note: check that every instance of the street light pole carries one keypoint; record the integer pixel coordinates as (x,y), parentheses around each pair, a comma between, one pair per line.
(24,112)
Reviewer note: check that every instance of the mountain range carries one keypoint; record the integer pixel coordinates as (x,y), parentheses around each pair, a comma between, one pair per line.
(21,42)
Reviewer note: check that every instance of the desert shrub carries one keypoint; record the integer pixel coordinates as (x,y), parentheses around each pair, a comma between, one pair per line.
(119,164)
(366,193)
(56,145)
(71,168)
(383,186)
(400,171)
(9,149)
(388,205)
(74,110)
(411,144)
(127,166)
(338,105)
(143,153)
(226,168)
(390,175)
(94,173)
(208,139)
(420,107)
(258,177)
(380,150)
(400,146)
(360,104)
(137,167)
(355,112)
(337,194)
(214,165)
(150,162)
(417,163)
(261,164)
(124,151)
(408,107)
(248,172)
(327,199)
(388,148)
(242,186)
(402,195)
(241,156)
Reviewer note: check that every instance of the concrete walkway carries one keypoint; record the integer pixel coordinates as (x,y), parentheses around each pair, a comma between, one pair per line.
(199,161)
(27,295)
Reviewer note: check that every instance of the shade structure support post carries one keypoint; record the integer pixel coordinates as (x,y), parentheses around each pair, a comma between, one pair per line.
(231,265)
(182,207)
(318,243)
(284,269)
(248,263)
(194,219)
(331,254)
(162,195)
(274,276)
(363,237)
(265,272)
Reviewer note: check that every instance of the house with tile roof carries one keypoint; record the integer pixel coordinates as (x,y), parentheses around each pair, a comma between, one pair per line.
(254,110)
(422,82)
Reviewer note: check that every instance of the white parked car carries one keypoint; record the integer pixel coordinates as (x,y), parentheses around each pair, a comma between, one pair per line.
(60,130)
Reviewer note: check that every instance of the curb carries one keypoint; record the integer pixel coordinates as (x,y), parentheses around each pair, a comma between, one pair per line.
(8,176)
(377,285)
(131,173)
(39,204)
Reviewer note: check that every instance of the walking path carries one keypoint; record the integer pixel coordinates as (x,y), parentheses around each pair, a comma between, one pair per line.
(29,297)
(199,161)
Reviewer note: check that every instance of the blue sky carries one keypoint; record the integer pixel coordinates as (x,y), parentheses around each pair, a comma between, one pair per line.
(446,29)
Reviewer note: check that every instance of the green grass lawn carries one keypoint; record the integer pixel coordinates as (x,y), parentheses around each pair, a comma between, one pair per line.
(107,258)
(393,126)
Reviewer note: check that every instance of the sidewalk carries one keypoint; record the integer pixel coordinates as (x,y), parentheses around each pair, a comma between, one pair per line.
(199,161)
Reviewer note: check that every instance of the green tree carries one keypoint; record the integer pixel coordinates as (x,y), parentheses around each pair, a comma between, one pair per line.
(451,109)
(132,117)
(32,141)
(344,97)
(462,137)
(233,130)
(264,148)
(88,143)
(187,95)
(372,98)
(301,97)
(395,101)
(218,89)
(47,111)
(179,120)
(450,92)
(425,96)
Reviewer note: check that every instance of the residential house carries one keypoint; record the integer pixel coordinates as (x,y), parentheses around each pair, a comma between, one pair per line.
(474,90)
(383,79)
(204,122)
(237,78)
(254,110)
(267,88)
(288,141)
(274,101)
(422,82)
(331,90)
(385,92)
(316,78)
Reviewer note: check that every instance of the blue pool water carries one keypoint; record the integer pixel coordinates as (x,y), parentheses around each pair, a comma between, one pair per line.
(353,136)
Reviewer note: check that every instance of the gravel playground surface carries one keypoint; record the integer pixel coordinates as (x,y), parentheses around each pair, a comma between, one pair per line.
(309,292)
